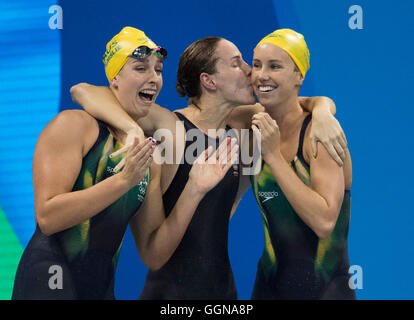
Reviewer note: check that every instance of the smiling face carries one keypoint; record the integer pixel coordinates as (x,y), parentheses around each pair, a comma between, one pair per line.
(232,78)
(138,84)
(275,77)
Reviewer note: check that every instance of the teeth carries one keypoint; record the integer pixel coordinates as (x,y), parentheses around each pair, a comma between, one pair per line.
(153,92)
(266,88)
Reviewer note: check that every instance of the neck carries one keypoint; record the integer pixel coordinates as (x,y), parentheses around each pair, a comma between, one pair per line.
(209,113)
(120,135)
(286,115)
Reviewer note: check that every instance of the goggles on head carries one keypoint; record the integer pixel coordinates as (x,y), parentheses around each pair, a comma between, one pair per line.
(143,52)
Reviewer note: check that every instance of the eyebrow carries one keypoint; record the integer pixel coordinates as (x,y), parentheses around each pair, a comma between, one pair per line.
(159,63)
(276,60)
(273,60)
(140,61)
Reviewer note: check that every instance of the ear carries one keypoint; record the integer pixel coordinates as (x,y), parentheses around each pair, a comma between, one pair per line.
(300,79)
(114,82)
(207,81)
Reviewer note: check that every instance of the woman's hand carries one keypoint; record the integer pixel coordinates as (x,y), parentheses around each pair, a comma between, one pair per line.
(137,161)
(135,132)
(269,134)
(208,169)
(132,134)
(326,129)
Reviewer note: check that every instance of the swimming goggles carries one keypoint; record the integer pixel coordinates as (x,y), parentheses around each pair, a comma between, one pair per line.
(143,52)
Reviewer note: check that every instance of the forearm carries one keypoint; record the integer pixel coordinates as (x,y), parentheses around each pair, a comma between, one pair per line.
(317,105)
(69,209)
(103,105)
(312,208)
(164,240)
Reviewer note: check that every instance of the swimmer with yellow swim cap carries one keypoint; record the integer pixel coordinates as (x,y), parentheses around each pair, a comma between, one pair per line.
(216,79)
(304,200)
(83,205)
(133,67)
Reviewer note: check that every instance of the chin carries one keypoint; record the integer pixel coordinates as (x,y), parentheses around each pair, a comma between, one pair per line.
(248,101)
(266,101)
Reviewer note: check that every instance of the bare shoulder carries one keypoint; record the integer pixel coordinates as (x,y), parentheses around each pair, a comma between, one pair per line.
(307,154)
(79,118)
(241,116)
(71,126)
(162,118)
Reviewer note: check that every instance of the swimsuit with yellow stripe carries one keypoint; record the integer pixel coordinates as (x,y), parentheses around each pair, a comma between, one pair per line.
(295,263)
(88,252)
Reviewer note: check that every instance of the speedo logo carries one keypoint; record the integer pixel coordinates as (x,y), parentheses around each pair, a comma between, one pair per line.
(268,195)
(110,170)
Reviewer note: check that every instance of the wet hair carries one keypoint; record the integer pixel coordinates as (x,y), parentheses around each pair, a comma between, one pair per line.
(199,57)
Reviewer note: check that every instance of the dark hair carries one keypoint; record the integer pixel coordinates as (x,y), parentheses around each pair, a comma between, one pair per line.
(199,57)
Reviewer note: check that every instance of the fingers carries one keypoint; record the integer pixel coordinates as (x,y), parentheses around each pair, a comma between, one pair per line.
(221,155)
(131,150)
(342,141)
(256,132)
(232,155)
(202,158)
(340,152)
(148,161)
(125,148)
(261,124)
(120,165)
(270,122)
(264,122)
(264,117)
(141,155)
(223,150)
(208,153)
(228,157)
(333,153)
(232,158)
(138,154)
(120,151)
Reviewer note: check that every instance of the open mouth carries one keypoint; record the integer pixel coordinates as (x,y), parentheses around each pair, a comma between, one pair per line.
(267,88)
(147,95)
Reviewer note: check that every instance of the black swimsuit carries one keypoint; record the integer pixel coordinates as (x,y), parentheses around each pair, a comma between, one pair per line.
(200,267)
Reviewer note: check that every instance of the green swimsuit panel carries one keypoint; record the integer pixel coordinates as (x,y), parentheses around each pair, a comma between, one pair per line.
(294,256)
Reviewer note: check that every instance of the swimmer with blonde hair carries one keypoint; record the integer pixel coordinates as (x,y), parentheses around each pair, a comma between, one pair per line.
(304,200)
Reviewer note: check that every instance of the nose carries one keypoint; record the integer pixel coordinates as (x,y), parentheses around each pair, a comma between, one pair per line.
(261,75)
(153,76)
(247,69)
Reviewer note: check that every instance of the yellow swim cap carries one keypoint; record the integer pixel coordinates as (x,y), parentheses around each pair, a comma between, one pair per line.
(293,43)
(120,47)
